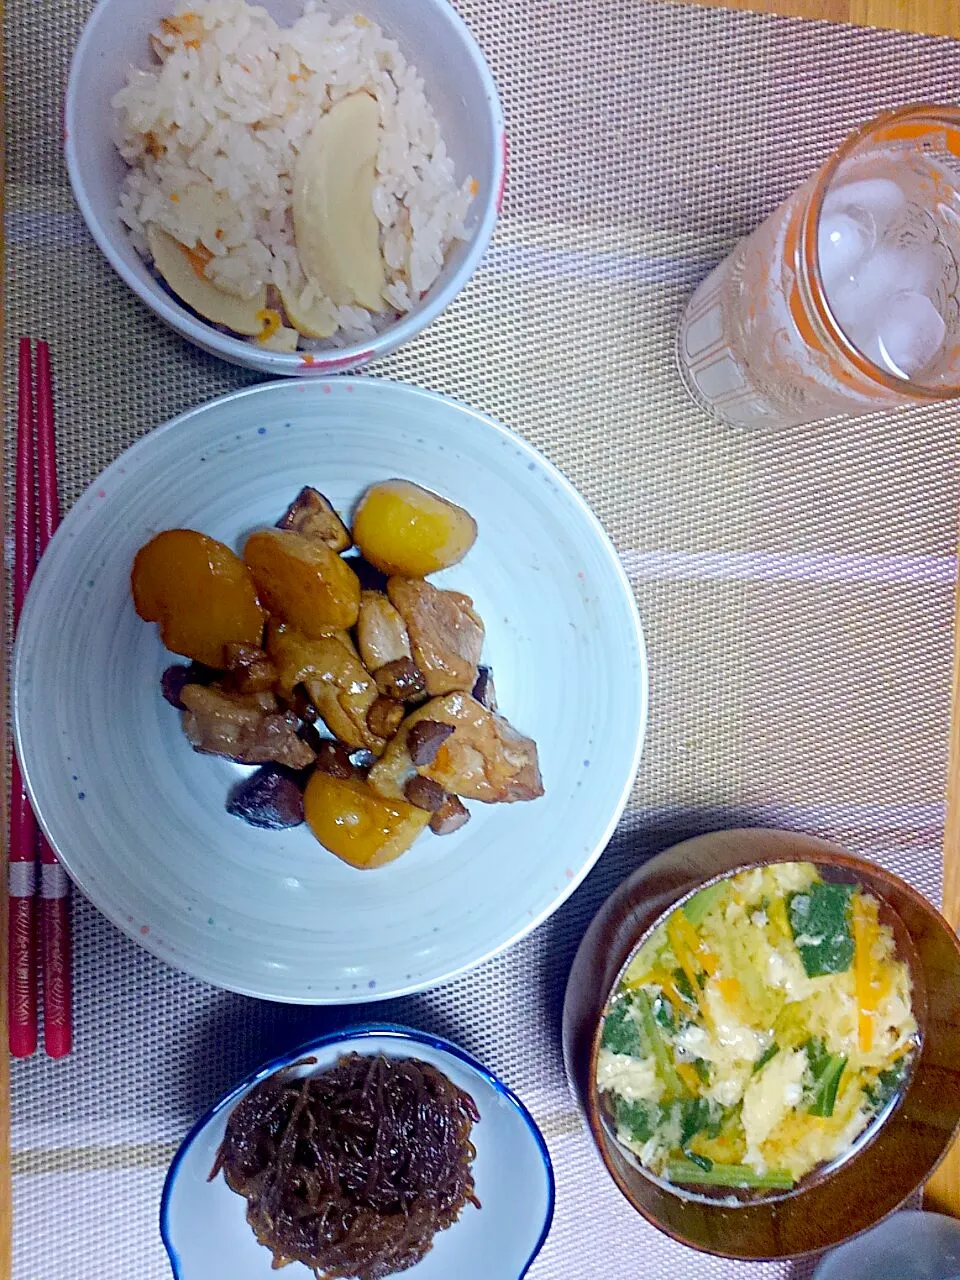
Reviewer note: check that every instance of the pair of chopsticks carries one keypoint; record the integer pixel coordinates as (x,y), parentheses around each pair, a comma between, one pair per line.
(37,515)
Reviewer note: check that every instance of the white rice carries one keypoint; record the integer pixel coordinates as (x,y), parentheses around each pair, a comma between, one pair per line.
(229,102)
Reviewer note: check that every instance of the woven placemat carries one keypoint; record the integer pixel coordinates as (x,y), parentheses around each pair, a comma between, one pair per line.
(796,587)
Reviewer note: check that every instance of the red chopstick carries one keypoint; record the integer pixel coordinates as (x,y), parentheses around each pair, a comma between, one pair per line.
(55,943)
(37,515)
(22,869)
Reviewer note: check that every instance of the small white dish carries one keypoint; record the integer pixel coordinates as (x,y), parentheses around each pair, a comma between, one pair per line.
(459,86)
(138,818)
(909,1245)
(203,1223)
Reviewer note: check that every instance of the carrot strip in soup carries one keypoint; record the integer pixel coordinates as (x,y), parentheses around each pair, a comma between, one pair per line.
(678,940)
(864,934)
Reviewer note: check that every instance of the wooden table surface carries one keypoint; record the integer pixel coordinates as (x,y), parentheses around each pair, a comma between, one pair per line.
(934,17)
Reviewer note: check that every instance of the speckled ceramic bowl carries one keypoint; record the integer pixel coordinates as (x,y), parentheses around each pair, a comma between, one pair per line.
(882,1172)
(138,818)
(459,86)
(203,1223)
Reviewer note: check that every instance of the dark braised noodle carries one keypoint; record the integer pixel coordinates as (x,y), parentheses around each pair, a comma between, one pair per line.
(354,1170)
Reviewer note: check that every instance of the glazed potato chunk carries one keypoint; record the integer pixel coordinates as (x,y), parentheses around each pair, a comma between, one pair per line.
(302,581)
(404,529)
(353,822)
(200,593)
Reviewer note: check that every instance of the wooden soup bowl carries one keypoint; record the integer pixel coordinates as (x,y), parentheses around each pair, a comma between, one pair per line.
(896,1157)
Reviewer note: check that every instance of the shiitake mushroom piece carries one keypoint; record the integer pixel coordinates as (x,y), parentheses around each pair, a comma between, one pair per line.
(424,740)
(401,680)
(447,813)
(313,515)
(449,816)
(176,678)
(332,758)
(385,717)
(424,793)
(271,798)
(371,579)
(484,691)
(303,705)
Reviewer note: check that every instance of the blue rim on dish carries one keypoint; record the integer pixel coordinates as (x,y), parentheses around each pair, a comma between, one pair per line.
(388,1030)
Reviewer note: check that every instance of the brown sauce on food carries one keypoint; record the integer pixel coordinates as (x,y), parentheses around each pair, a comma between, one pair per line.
(354,1170)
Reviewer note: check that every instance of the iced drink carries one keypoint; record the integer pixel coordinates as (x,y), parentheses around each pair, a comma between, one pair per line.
(845,299)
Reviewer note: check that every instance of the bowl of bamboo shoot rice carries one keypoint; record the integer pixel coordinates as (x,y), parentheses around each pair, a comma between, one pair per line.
(297,187)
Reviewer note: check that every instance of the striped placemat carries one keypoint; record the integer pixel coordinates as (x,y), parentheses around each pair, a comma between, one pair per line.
(796,587)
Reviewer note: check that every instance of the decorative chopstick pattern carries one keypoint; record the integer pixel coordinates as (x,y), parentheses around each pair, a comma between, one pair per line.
(37,515)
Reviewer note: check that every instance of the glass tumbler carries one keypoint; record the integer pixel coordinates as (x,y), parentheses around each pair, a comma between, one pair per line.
(845,300)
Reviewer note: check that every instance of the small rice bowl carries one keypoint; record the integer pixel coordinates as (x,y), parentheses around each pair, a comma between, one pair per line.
(228,104)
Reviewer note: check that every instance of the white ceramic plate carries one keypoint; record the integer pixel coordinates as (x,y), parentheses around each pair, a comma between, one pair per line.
(204,1225)
(138,818)
(911,1245)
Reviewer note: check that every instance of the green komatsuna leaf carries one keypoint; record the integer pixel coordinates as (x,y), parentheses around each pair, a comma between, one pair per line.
(888,1083)
(820,923)
(639,1119)
(622,1032)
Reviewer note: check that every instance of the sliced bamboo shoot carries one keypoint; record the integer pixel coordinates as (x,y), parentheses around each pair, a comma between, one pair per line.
(336,230)
(316,321)
(178,267)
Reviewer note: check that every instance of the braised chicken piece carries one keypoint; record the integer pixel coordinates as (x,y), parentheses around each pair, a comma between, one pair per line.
(312,515)
(381,632)
(336,682)
(446,634)
(245,727)
(295,657)
(484,758)
(248,668)
(344,694)
(176,678)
